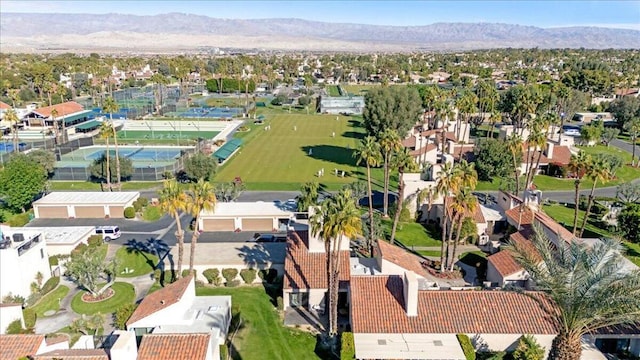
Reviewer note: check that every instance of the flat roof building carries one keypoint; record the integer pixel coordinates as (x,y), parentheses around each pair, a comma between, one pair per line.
(87,205)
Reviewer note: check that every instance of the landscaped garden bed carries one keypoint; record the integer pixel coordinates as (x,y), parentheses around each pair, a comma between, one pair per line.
(123,293)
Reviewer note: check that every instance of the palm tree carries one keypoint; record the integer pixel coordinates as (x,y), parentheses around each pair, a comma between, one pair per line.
(201,197)
(587,285)
(308,195)
(464,202)
(633,127)
(578,165)
(514,144)
(404,162)
(54,115)
(449,181)
(173,201)
(597,170)
(110,106)
(537,139)
(468,174)
(495,117)
(106,131)
(389,144)
(426,194)
(12,118)
(335,219)
(368,151)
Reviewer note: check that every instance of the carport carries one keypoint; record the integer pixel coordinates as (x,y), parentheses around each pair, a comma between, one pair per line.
(245,216)
(84,205)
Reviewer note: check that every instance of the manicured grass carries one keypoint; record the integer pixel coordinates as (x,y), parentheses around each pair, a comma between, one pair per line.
(332,90)
(151,213)
(51,301)
(564,215)
(413,234)
(633,252)
(358,90)
(430,253)
(263,336)
(280,159)
(125,293)
(91,186)
(140,262)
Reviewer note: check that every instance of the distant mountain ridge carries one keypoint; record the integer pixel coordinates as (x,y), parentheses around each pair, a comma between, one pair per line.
(187,30)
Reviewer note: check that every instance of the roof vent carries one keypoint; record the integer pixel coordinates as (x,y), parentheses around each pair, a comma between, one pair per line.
(382,342)
(437,342)
(162,302)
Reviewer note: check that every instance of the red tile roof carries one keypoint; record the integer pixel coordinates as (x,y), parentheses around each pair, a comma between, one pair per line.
(504,263)
(63,109)
(526,157)
(466,149)
(401,257)
(378,307)
(305,270)
(174,346)
(425,149)
(60,338)
(409,142)
(431,132)
(4,106)
(74,354)
(17,346)
(477,215)
(561,155)
(524,217)
(160,299)
(546,221)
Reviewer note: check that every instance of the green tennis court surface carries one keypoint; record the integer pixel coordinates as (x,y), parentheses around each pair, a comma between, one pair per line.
(165,134)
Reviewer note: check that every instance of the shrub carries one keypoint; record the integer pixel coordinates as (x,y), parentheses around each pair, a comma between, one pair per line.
(199,283)
(19,220)
(123,314)
(29,318)
(53,260)
(14,327)
(212,276)
(467,346)
(140,203)
(13,299)
(268,275)
(95,241)
(232,283)
(280,303)
(229,274)
(51,284)
(347,347)
(169,276)
(224,352)
(80,249)
(129,213)
(528,349)
(248,275)
(186,273)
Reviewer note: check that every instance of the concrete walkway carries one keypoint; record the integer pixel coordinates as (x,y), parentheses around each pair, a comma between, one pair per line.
(64,316)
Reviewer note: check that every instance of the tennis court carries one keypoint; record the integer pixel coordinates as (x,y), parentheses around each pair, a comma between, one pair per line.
(165,134)
(210,112)
(141,156)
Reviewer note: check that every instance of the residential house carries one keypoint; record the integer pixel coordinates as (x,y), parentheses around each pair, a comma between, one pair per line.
(620,93)
(196,346)
(175,315)
(421,145)
(23,255)
(27,346)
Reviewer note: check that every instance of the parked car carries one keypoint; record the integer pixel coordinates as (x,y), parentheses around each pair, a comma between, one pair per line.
(270,238)
(108,233)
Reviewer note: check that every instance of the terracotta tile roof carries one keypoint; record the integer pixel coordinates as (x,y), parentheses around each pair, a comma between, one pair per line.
(378,307)
(524,217)
(409,142)
(65,108)
(401,257)
(527,156)
(57,339)
(546,221)
(10,305)
(305,270)
(429,133)
(17,346)
(477,216)
(625,92)
(504,263)
(74,354)
(425,149)
(160,299)
(450,135)
(466,150)
(561,155)
(4,106)
(510,195)
(174,346)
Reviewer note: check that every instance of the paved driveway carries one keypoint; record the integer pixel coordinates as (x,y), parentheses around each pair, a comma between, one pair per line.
(125,225)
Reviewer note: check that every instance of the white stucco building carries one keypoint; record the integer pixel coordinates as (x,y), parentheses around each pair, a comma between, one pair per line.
(23,254)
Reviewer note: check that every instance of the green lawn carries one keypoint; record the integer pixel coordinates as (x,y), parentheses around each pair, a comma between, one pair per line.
(125,293)
(413,234)
(332,90)
(633,252)
(51,301)
(92,186)
(280,159)
(263,335)
(430,253)
(140,262)
(358,90)
(151,213)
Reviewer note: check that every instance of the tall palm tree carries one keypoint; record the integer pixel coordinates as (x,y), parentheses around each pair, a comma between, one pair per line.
(597,170)
(468,174)
(389,144)
(464,202)
(514,144)
(449,182)
(335,219)
(633,128)
(587,285)
(12,118)
(201,197)
(54,115)
(578,165)
(106,131)
(308,195)
(368,152)
(404,162)
(537,139)
(110,106)
(495,117)
(174,201)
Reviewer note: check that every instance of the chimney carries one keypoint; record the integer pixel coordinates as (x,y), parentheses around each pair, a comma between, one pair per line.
(549,150)
(316,245)
(410,290)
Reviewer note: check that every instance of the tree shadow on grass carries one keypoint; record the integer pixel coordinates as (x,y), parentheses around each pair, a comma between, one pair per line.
(336,154)
(353,135)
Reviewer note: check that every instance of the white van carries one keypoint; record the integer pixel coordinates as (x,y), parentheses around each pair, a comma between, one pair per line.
(108,233)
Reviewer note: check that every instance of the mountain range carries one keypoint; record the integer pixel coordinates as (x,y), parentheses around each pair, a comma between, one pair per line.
(182,32)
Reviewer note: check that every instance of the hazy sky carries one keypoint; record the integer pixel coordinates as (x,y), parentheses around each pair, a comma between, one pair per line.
(543,13)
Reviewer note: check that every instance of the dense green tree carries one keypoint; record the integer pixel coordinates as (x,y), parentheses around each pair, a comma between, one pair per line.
(21,180)
(528,349)
(46,159)
(309,193)
(100,170)
(492,159)
(629,222)
(200,166)
(585,285)
(625,109)
(89,270)
(608,134)
(391,107)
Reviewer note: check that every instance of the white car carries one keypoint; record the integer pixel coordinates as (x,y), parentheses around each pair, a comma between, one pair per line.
(572,132)
(108,233)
